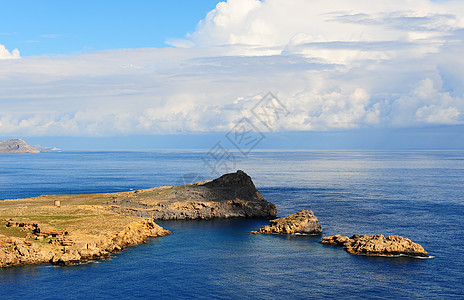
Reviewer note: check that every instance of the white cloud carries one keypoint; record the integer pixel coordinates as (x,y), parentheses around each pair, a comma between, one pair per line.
(5,54)
(328,29)
(333,64)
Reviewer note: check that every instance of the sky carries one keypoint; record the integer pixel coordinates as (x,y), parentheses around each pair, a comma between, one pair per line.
(361,68)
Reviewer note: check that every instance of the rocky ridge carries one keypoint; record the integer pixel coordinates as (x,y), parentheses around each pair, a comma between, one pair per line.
(376,245)
(229,196)
(303,222)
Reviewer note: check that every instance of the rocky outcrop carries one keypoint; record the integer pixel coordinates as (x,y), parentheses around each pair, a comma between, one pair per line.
(46,244)
(376,245)
(231,195)
(303,222)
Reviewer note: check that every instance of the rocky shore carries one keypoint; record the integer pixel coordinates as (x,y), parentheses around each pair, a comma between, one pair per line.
(376,245)
(303,222)
(44,244)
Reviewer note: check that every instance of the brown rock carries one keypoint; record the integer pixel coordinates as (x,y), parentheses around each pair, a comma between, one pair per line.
(376,245)
(304,222)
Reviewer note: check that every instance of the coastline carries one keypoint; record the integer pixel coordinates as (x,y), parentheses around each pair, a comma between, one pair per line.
(69,229)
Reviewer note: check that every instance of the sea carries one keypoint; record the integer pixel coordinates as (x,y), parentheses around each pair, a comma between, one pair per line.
(415,194)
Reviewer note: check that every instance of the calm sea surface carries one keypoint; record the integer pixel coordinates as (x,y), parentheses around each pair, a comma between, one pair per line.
(416,194)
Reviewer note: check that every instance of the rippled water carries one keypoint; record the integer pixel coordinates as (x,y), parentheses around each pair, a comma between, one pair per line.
(415,194)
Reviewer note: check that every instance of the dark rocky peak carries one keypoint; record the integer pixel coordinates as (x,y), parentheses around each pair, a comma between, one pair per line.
(237,179)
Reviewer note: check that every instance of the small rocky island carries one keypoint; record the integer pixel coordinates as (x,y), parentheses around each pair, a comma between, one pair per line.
(20,146)
(70,229)
(376,245)
(302,222)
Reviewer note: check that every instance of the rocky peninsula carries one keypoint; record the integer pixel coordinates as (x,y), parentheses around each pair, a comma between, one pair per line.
(302,222)
(376,245)
(69,229)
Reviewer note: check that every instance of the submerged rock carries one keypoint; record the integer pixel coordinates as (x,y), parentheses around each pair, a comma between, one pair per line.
(304,222)
(376,245)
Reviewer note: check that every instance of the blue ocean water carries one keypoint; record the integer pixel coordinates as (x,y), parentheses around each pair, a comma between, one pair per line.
(416,194)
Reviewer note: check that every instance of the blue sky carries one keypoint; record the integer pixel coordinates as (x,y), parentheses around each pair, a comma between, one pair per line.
(63,27)
(110,69)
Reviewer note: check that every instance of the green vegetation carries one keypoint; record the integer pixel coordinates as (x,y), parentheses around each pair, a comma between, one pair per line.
(12,231)
(42,242)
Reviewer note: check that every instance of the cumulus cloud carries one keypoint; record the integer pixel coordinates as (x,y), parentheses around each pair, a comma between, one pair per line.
(333,64)
(331,30)
(5,54)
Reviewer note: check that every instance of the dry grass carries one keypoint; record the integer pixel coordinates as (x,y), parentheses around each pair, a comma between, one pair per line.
(83,214)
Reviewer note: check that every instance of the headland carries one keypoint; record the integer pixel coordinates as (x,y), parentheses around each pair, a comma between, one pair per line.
(70,229)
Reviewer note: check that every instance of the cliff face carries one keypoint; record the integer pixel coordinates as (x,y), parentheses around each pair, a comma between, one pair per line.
(46,244)
(375,245)
(16,146)
(231,195)
(303,222)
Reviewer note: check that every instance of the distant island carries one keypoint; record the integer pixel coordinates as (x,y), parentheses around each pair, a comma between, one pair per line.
(20,146)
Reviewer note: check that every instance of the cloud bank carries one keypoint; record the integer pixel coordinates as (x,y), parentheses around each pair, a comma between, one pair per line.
(334,65)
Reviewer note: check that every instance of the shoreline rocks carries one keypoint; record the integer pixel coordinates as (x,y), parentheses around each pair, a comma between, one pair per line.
(65,248)
(303,222)
(376,245)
